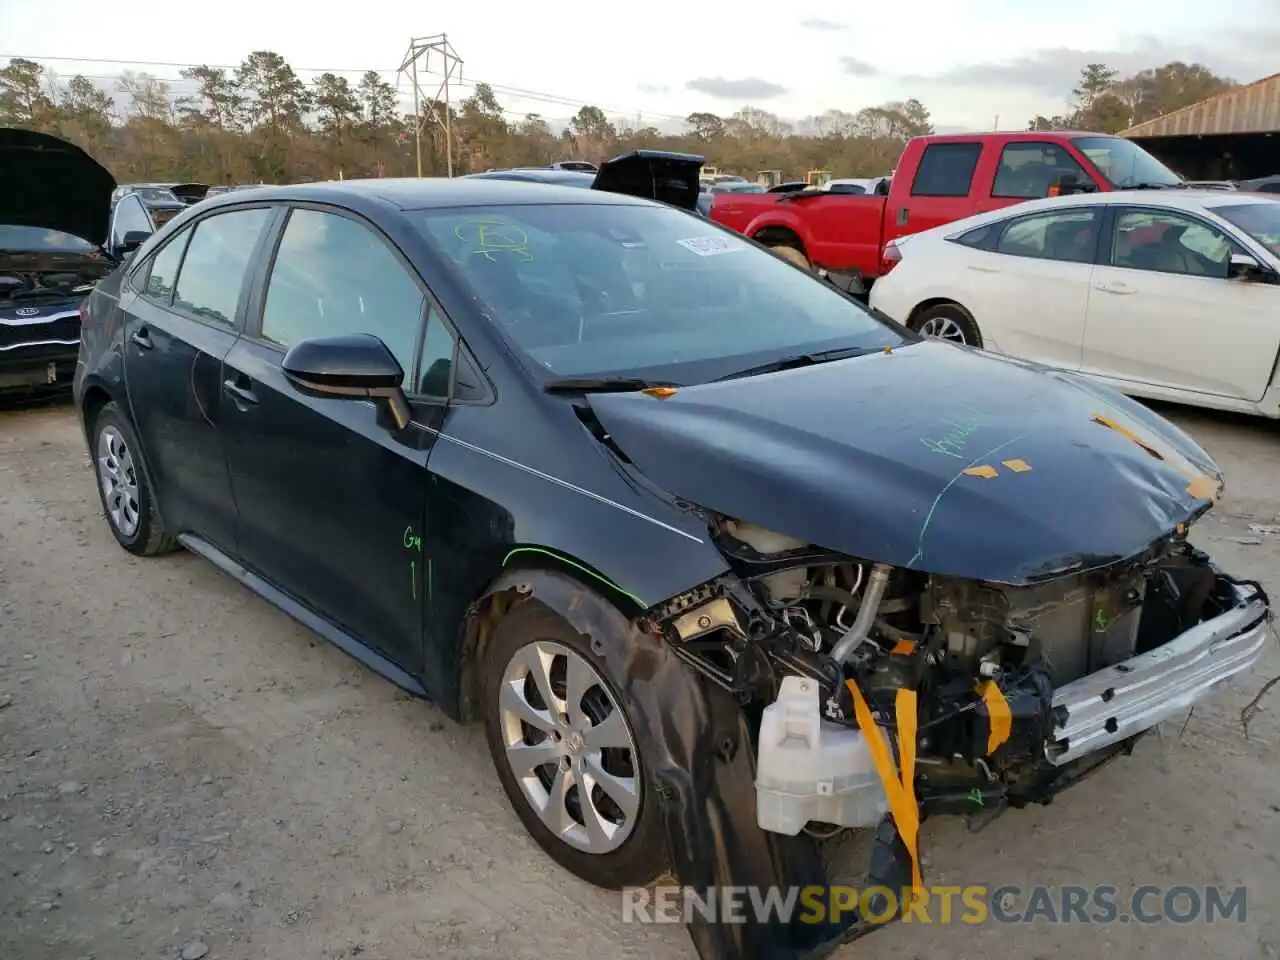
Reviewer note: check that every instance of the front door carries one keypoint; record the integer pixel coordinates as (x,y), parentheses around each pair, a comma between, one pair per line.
(332,501)
(1163,312)
(179,325)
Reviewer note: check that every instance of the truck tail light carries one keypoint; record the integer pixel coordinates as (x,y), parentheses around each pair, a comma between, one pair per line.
(890,258)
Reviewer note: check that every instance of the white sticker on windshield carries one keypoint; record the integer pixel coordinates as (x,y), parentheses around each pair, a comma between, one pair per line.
(710,246)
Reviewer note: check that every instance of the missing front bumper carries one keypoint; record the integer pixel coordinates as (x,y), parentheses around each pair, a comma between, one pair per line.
(1121,701)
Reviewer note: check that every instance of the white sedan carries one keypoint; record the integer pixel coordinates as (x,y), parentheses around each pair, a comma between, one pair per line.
(1164,294)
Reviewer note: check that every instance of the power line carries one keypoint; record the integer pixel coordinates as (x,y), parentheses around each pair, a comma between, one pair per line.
(511,91)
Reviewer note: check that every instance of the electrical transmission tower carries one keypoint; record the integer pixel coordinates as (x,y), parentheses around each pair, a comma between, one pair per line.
(417,64)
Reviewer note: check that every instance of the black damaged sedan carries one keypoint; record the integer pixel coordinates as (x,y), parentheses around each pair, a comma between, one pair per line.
(725,564)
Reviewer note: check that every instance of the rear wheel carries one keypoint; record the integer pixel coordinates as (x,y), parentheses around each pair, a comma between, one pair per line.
(122,486)
(948,321)
(566,752)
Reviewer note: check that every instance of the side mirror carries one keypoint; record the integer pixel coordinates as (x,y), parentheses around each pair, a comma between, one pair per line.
(1066,184)
(133,240)
(1248,270)
(356,366)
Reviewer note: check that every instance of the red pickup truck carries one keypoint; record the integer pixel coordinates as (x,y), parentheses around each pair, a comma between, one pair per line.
(939,179)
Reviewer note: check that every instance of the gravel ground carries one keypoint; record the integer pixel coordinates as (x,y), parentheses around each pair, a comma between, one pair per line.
(185,772)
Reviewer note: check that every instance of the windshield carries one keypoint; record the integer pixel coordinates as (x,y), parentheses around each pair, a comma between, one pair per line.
(1261,221)
(605,290)
(1124,163)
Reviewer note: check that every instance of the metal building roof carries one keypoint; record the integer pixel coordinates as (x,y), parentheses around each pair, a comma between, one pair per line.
(1253,108)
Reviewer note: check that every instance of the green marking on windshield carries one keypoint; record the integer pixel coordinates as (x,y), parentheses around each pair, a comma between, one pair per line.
(486,236)
(577,566)
(412,541)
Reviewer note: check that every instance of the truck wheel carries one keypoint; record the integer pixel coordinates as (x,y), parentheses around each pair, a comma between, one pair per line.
(792,255)
(948,321)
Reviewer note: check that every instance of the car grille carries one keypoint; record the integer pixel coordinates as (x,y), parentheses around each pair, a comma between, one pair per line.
(65,328)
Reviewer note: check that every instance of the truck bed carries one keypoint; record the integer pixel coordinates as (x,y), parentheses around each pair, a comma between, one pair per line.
(841,233)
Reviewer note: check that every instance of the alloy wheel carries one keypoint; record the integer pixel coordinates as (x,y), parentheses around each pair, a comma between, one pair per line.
(943,328)
(570,747)
(119,478)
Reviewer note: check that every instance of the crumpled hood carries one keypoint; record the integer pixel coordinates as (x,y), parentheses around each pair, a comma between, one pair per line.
(53,184)
(933,457)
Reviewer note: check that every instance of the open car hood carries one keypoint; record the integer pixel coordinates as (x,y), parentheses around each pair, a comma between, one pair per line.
(653,174)
(932,457)
(53,184)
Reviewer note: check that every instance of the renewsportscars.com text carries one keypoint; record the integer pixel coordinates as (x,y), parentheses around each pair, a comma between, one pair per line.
(1146,904)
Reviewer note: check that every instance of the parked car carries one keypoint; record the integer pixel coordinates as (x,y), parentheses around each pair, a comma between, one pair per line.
(225,188)
(670,177)
(54,216)
(939,179)
(159,202)
(727,185)
(1261,184)
(642,498)
(1170,294)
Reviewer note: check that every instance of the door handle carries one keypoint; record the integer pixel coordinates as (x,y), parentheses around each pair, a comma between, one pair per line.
(903,214)
(977,269)
(240,392)
(1114,286)
(142,338)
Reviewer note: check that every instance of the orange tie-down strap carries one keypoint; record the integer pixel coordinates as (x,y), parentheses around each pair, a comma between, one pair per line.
(900,790)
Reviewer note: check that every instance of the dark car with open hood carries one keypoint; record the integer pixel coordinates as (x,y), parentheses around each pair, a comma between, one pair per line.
(666,514)
(54,215)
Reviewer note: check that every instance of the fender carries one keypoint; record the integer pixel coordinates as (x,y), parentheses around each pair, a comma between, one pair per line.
(699,749)
(780,216)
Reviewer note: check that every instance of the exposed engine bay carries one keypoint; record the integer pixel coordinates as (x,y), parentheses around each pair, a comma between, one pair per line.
(983,661)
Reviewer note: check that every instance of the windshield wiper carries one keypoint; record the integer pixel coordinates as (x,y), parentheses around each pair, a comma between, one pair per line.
(801,360)
(1150,186)
(601,385)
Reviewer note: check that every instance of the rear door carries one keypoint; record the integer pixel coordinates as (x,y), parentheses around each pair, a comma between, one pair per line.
(1026,281)
(332,502)
(940,190)
(183,310)
(1163,312)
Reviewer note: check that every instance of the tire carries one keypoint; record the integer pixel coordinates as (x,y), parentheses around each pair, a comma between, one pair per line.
(126,499)
(630,855)
(953,322)
(792,255)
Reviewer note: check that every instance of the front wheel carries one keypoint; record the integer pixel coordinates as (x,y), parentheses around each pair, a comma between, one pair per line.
(948,321)
(566,752)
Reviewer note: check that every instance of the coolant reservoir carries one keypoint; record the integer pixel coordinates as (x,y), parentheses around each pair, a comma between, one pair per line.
(809,769)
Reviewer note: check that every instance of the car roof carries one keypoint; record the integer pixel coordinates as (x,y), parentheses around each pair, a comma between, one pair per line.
(574,178)
(413,193)
(1174,199)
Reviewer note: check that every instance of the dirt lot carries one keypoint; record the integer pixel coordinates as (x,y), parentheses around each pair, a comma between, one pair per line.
(186,772)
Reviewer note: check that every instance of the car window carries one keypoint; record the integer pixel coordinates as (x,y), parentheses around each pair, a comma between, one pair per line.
(163,270)
(600,288)
(334,276)
(946,170)
(1170,243)
(436,362)
(1259,220)
(217,262)
(1029,170)
(979,237)
(130,216)
(1069,235)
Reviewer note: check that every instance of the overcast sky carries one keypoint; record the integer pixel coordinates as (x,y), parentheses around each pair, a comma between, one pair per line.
(969,61)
